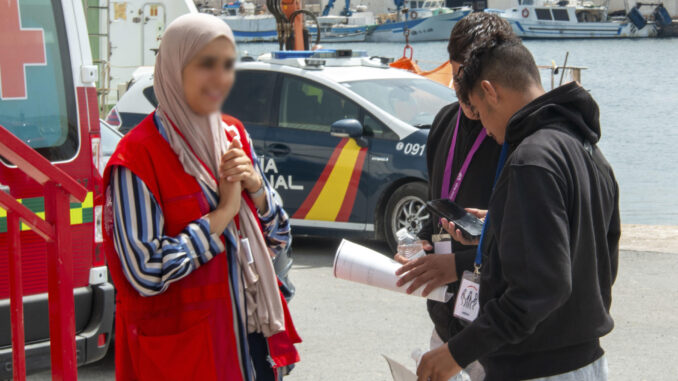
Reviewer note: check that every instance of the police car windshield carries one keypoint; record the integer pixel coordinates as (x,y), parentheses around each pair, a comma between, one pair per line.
(412,100)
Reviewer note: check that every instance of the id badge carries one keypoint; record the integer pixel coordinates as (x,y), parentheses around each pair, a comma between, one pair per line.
(442,243)
(245,245)
(467,304)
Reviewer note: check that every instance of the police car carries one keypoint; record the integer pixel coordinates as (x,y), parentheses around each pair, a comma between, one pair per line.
(341,136)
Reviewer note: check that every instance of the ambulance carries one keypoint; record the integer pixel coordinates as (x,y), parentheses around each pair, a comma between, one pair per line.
(48,99)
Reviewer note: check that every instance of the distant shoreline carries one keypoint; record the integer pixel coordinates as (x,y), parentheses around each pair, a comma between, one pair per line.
(656,238)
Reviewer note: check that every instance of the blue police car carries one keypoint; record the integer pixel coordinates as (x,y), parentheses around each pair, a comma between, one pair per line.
(340,135)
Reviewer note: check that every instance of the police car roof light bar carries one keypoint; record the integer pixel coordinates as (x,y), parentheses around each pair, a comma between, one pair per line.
(320,53)
(315,62)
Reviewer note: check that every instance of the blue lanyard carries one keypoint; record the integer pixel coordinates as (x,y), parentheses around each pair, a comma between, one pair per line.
(500,166)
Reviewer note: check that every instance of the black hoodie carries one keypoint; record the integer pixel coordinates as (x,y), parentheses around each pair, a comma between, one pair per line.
(551,251)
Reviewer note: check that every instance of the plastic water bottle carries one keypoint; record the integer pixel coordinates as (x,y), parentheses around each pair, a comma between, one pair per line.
(417,354)
(408,245)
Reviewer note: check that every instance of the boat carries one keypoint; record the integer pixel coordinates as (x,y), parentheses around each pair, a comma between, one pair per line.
(346,28)
(427,20)
(252,28)
(544,19)
(247,25)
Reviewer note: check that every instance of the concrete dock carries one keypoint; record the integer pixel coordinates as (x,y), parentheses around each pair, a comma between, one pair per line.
(346,326)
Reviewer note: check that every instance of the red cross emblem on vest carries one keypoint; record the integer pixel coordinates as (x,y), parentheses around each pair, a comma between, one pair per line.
(19,47)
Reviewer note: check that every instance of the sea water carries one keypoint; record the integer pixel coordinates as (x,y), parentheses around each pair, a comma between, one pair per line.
(635,83)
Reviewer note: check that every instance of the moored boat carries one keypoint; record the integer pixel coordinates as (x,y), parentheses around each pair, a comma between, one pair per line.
(574,19)
(350,28)
(427,20)
(252,28)
(247,24)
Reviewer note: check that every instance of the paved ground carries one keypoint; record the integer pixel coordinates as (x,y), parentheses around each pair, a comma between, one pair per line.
(346,326)
(660,238)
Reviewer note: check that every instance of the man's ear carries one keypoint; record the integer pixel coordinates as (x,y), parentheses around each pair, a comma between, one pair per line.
(490,92)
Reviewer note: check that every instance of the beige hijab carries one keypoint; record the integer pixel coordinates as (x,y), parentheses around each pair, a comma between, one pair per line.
(204,139)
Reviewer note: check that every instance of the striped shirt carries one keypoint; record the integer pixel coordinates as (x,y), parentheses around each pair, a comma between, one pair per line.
(152,260)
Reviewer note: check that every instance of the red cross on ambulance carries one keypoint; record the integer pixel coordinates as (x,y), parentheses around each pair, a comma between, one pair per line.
(19,47)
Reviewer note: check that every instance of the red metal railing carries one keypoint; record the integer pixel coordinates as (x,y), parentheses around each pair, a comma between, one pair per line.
(59,190)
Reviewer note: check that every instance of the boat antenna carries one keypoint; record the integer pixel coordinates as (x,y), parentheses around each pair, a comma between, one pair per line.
(562,73)
(406,33)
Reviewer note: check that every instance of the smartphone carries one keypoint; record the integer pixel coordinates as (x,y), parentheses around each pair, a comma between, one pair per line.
(471,227)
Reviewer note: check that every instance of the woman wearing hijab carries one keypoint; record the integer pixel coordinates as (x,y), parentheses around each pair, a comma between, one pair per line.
(191,226)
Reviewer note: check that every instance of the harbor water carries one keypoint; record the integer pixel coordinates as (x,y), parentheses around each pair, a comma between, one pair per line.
(635,83)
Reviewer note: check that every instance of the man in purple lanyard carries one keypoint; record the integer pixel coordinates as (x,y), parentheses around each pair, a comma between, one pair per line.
(462,162)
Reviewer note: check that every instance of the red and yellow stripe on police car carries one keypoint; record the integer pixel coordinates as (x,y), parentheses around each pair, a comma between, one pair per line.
(333,195)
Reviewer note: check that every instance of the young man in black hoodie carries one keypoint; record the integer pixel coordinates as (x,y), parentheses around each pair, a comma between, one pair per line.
(461,161)
(550,250)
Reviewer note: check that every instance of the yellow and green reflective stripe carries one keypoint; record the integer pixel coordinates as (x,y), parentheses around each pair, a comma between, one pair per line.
(81,212)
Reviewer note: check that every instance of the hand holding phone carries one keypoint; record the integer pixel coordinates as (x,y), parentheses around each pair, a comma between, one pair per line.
(465,227)
(456,234)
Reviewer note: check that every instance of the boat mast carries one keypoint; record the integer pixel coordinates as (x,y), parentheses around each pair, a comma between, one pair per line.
(607,9)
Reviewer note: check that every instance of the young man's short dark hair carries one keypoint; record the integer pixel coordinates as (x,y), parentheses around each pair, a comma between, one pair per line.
(499,60)
(476,29)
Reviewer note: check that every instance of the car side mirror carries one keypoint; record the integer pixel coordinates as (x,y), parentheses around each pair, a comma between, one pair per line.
(346,128)
(349,128)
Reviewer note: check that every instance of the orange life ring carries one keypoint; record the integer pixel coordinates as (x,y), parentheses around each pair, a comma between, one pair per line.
(526,13)
(414,15)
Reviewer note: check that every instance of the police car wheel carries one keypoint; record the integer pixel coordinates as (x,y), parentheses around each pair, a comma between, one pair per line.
(405,208)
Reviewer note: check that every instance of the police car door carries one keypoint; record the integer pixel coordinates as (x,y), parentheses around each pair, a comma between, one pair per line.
(317,174)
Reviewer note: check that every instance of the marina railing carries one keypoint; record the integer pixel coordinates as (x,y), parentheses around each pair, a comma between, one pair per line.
(59,190)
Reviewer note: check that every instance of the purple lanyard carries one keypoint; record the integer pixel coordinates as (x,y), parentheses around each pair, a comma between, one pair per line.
(446,192)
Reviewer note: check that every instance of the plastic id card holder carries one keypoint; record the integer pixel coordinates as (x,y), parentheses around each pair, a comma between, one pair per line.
(467,304)
(442,243)
(245,245)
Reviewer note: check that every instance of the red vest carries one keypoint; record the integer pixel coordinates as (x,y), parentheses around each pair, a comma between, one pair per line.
(185,333)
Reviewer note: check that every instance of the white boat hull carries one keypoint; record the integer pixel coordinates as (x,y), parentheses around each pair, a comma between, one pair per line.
(341,34)
(349,37)
(609,29)
(553,22)
(252,28)
(434,28)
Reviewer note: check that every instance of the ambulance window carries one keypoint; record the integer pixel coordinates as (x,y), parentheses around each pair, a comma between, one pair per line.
(310,106)
(250,98)
(37,101)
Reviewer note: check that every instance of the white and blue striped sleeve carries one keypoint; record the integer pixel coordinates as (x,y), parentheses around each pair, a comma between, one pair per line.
(275,221)
(150,260)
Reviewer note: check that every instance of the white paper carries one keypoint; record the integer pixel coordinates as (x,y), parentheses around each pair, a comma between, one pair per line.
(359,264)
(399,371)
